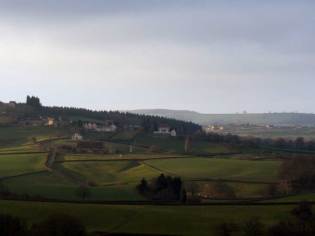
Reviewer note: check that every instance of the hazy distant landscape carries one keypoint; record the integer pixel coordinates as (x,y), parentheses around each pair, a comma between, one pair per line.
(157,118)
(135,167)
(278,119)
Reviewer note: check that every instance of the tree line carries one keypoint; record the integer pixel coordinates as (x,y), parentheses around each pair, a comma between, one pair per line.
(121,119)
(298,174)
(301,222)
(162,188)
(299,144)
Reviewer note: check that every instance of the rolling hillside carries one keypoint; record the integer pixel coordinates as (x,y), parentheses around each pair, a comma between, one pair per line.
(289,119)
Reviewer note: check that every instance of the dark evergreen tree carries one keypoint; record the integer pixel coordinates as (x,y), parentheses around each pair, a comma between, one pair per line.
(12,226)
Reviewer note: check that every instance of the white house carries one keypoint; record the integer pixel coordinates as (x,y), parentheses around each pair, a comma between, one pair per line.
(213,128)
(166,130)
(163,129)
(108,127)
(173,133)
(90,126)
(77,137)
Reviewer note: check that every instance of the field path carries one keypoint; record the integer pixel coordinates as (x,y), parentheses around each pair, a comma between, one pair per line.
(60,171)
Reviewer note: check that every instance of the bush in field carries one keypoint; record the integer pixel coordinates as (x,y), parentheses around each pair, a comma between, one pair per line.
(227,229)
(302,223)
(12,226)
(299,172)
(163,188)
(253,227)
(143,187)
(83,192)
(59,225)
(4,190)
(217,190)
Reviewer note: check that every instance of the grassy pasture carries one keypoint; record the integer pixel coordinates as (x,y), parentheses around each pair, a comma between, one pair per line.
(125,174)
(174,220)
(13,136)
(219,168)
(51,185)
(114,177)
(19,149)
(110,172)
(297,198)
(173,144)
(86,157)
(241,190)
(20,164)
(125,135)
(124,148)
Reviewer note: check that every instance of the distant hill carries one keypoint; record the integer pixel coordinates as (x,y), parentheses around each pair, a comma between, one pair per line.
(17,113)
(290,119)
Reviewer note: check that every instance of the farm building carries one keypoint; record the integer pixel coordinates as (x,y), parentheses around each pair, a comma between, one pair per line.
(77,137)
(107,127)
(165,130)
(90,126)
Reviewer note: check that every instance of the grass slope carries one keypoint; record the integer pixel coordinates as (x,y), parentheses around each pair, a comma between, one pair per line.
(12,136)
(20,164)
(180,220)
(111,172)
(219,168)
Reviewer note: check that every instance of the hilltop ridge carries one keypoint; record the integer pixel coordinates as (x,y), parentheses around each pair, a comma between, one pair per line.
(280,119)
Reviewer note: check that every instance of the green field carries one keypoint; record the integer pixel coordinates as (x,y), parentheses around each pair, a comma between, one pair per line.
(114,177)
(172,144)
(51,185)
(171,220)
(219,168)
(19,149)
(11,165)
(188,168)
(108,157)
(15,136)
(110,172)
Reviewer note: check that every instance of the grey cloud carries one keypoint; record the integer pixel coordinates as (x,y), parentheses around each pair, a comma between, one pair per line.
(208,49)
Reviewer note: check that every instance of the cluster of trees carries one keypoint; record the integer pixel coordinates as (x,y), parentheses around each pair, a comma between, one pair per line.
(163,188)
(55,225)
(33,101)
(301,223)
(121,119)
(299,173)
(299,144)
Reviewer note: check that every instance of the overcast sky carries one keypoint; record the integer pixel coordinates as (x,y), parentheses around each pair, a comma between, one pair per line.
(209,56)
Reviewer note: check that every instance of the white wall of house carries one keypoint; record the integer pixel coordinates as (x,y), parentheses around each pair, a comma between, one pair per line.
(77,137)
